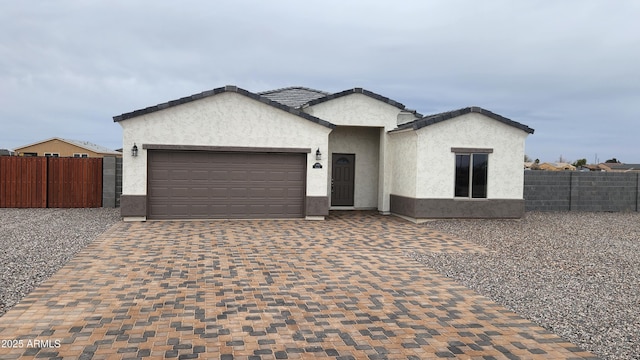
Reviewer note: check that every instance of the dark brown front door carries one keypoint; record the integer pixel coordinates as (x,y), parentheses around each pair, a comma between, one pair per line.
(342,175)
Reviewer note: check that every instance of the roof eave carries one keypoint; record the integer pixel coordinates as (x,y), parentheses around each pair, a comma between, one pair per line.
(228,88)
(434,119)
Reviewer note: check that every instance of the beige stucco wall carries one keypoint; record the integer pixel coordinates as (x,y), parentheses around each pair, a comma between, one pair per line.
(403,160)
(364,143)
(227,119)
(435,165)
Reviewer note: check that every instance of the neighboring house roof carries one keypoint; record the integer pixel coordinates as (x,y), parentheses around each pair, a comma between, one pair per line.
(564,166)
(294,96)
(5,152)
(555,166)
(593,167)
(436,118)
(228,88)
(620,167)
(82,144)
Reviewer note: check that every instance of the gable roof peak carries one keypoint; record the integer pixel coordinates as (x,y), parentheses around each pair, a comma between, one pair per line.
(357,90)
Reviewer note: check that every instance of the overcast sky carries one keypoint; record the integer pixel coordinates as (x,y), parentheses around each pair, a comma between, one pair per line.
(569,69)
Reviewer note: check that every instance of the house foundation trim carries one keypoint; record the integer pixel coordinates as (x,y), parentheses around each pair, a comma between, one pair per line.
(317,206)
(133,206)
(456,208)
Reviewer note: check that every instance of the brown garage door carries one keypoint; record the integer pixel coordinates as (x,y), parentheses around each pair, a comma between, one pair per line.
(210,185)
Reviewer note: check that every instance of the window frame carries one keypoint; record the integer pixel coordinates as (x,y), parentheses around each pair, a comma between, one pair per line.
(80,155)
(471,165)
(51,154)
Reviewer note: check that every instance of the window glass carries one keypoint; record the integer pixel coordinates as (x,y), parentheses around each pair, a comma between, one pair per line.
(479,176)
(471,175)
(462,175)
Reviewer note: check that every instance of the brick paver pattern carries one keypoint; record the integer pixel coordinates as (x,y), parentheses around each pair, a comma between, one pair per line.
(289,289)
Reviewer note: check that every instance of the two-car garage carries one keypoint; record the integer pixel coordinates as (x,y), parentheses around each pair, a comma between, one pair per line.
(185,184)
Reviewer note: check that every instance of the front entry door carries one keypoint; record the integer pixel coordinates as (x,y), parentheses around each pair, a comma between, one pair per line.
(342,176)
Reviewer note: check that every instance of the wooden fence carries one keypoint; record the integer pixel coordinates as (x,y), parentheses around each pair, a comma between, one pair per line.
(40,182)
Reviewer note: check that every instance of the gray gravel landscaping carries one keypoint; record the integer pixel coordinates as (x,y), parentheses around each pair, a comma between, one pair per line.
(576,274)
(35,243)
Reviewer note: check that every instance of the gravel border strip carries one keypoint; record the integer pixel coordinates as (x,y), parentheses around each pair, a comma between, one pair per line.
(35,243)
(575,274)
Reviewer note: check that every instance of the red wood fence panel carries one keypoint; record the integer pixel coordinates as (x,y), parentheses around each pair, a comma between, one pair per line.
(23,182)
(50,182)
(74,182)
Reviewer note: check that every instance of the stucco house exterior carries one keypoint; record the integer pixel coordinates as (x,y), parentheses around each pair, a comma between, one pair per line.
(59,147)
(298,152)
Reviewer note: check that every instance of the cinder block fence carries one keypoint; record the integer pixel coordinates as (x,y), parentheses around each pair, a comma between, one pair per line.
(111,181)
(581,191)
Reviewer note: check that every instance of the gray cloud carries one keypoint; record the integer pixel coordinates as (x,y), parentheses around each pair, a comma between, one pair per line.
(568,69)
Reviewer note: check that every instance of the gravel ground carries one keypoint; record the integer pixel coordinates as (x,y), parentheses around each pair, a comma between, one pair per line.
(35,243)
(576,274)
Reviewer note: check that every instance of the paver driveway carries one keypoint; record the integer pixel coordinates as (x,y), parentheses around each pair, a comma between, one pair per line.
(341,288)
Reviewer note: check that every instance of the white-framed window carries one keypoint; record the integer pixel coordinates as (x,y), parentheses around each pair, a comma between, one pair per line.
(472,170)
(51,154)
(80,155)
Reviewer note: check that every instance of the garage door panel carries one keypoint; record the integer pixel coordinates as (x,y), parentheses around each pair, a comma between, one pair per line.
(199,209)
(177,174)
(295,177)
(257,193)
(294,193)
(219,175)
(260,175)
(199,175)
(190,184)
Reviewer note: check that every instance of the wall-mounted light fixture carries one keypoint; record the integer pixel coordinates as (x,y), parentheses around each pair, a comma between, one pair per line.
(318,154)
(134,150)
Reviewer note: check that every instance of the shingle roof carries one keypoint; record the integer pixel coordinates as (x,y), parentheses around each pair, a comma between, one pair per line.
(228,88)
(436,118)
(294,96)
(91,146)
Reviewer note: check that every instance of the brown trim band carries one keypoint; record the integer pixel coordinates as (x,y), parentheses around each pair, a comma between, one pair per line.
(457,208)
(133,205)
(317,206)
(471,150)
(225,148)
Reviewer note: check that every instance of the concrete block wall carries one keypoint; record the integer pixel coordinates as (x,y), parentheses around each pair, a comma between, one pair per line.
(118,180)
(547,191)
(111,181)
(581,191)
